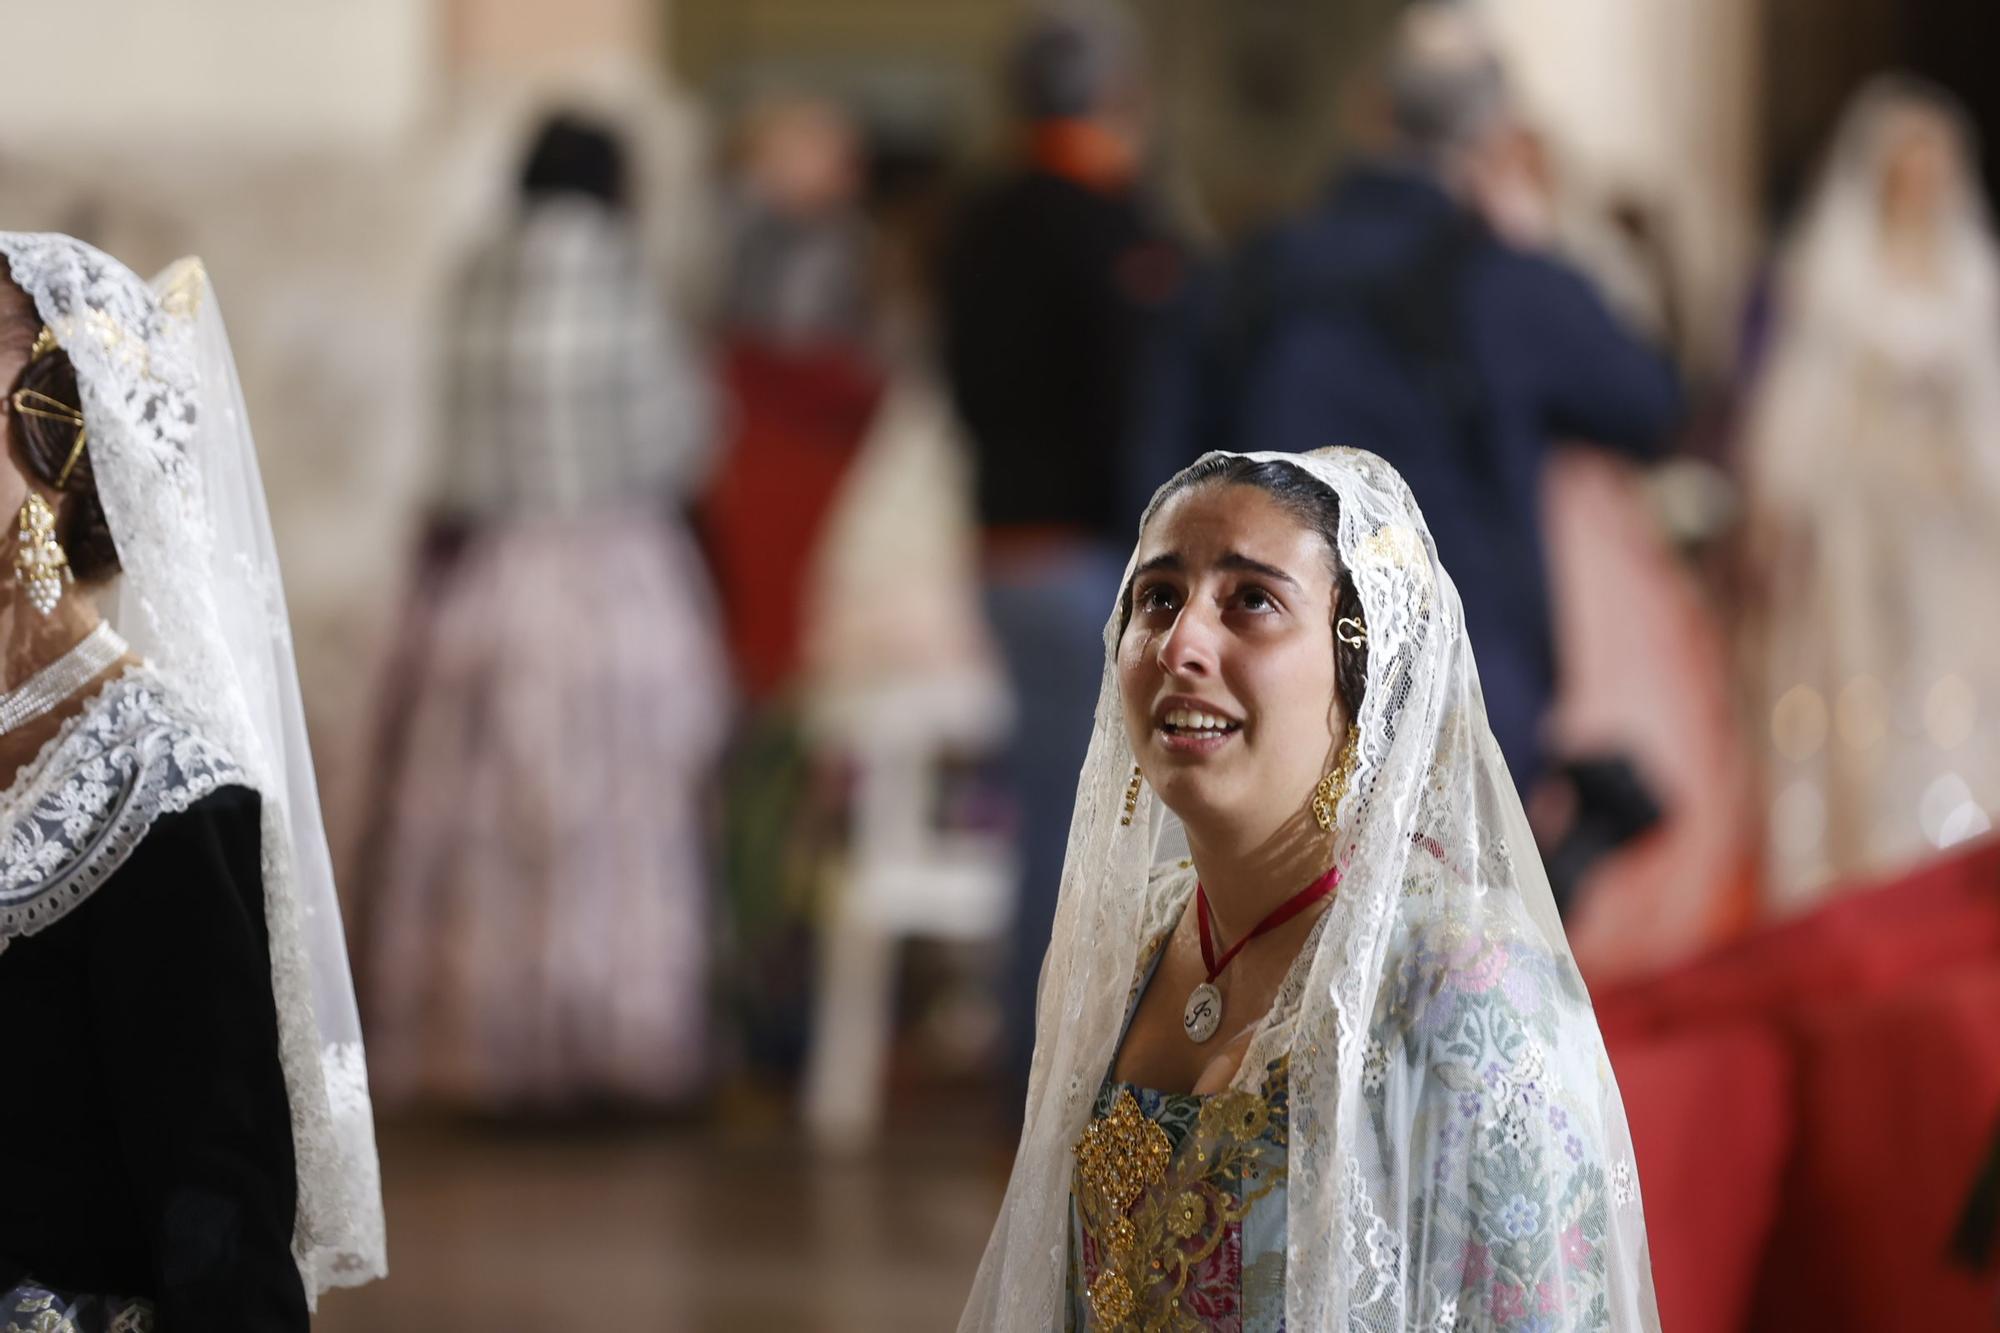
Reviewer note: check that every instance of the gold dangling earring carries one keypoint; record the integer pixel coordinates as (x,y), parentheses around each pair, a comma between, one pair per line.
(1333,786)
(1131,797)
(40,563)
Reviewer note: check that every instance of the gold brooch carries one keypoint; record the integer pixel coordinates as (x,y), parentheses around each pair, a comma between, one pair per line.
(1112,1300)
(1122,1154)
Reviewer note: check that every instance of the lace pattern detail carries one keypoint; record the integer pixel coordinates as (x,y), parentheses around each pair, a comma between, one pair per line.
(201,601)
(78,812)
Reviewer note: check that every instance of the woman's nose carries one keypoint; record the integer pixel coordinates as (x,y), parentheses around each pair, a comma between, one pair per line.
(1188,649)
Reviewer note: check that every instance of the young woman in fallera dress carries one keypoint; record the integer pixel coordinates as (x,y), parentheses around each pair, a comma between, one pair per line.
(1312,1051)
(189,1142)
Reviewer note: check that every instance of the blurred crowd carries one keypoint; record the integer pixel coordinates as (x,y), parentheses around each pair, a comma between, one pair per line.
(747,659)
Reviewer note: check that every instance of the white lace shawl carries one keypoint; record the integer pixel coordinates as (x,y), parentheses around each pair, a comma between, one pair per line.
(201,600)
(1458,1156)
(80,808)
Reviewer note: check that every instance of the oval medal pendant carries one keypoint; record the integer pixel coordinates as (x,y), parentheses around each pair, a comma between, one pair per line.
(1203,1013)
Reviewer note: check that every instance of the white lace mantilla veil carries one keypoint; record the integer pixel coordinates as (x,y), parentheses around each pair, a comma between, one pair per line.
(1876,417)
(1835,294)
(1458,1156)
(200,599)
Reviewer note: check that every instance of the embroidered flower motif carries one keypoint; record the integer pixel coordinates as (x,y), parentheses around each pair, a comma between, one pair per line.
(1242,1115)
(1509,1303)
(1514,1128)
(1531,1069)
(1521,1216)
(1374,1067)
(1622,1185)
(1214,1287)
(1478,1264)
(1575,1249)
(1395,546)
(1382,1249)
(1523,989)
(1187,1215)
(1479,968)
(1447,1320)
(1574,1147)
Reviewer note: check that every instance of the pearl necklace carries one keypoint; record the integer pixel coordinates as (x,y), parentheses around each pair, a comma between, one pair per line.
(47,689)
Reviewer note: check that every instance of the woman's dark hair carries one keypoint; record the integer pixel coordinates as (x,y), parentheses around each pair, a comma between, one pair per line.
(1318,507)
(574,155)
(44,446)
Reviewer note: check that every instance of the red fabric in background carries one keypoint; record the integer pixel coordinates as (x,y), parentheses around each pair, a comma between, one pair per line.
(1897,1095)
(799,418)
(1719,1099)
(1815,1101)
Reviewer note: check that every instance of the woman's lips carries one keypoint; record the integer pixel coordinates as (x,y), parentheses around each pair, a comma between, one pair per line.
(1194,742)
(1186,726)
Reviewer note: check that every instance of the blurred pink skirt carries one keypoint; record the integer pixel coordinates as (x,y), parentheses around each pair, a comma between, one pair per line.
(533,901)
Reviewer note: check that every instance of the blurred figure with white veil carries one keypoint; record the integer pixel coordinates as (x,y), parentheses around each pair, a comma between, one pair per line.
(1873,468)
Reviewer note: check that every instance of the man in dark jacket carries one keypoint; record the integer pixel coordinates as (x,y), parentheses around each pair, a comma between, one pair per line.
(1051,280)
(1392,318)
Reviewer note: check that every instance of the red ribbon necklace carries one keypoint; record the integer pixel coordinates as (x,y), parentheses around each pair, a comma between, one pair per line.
(1203,1013)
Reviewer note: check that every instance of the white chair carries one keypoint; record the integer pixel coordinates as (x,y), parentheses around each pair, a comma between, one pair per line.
(903,878)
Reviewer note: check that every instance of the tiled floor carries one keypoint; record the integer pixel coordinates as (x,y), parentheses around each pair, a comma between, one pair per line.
(631,1230)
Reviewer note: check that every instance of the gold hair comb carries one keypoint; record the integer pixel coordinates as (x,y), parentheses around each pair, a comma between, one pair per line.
(35,403)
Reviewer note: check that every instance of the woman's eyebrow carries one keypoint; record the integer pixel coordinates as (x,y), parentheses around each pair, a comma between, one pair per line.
(1236,561)
(1231,560)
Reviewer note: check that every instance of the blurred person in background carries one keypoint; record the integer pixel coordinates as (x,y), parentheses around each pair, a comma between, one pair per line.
(1644,714)
(1872,464)
(191,1142)
(1396,314)
(803,385)
(535,900)
(800,370)
(1312,1051)
(1049,281)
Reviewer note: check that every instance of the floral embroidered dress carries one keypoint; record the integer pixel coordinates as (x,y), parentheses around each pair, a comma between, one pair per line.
(1178,1201)
(1177,1206)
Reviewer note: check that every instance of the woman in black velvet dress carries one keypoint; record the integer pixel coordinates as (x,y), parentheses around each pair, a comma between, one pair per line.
(178,1154)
